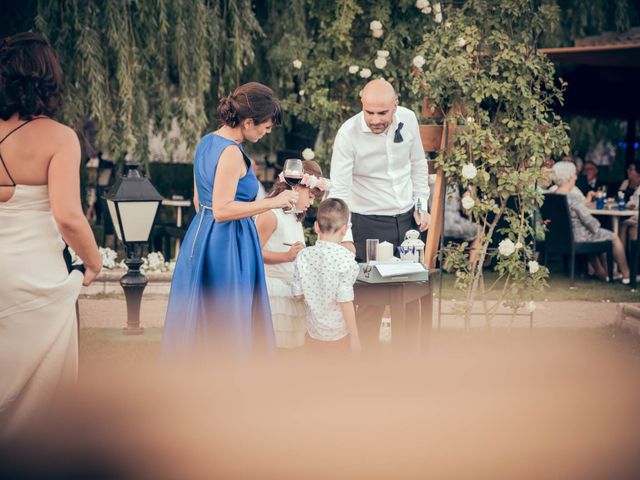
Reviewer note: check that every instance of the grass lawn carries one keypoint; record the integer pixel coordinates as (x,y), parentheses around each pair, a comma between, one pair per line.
(586,289)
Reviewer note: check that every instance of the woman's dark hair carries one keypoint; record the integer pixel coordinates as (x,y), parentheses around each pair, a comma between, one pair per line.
(251,100)
(30,77)
(308,166)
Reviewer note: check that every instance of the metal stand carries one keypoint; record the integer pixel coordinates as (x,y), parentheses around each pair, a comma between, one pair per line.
(133,283)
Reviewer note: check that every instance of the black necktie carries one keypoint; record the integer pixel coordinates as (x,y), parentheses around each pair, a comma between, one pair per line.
(397,138)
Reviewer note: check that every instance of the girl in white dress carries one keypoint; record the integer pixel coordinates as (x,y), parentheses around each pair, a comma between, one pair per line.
(40,210)
(282,237)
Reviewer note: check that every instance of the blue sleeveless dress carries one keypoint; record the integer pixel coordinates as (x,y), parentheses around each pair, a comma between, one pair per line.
(218,296)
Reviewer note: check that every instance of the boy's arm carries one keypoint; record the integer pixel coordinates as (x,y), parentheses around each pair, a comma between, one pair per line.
(296,285)
(349,315)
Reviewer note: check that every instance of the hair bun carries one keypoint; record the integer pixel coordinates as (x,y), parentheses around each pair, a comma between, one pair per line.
(228,111)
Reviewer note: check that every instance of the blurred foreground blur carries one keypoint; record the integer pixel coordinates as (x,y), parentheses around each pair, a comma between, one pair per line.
(516,405)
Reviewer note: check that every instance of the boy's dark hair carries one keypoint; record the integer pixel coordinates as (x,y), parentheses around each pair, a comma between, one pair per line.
(333,214)
(30,77)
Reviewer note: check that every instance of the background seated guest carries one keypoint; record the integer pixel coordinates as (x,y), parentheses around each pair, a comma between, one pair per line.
(632,182)
(585,227)
(588,180)
(456,224)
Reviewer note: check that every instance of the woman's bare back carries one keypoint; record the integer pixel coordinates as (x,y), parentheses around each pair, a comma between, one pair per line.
(27,152)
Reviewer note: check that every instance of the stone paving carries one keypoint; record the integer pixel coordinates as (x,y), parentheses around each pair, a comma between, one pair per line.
(109,311)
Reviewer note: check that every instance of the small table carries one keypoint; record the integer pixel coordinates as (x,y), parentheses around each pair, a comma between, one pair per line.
(398,296)
(615,215)
(178,205)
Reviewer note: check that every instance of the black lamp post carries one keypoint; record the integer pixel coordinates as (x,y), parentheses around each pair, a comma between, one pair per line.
(133,203)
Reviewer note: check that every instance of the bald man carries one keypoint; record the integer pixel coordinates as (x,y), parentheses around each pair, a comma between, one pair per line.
(379,168)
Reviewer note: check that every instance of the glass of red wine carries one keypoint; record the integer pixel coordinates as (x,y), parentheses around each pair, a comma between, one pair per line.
(293,172)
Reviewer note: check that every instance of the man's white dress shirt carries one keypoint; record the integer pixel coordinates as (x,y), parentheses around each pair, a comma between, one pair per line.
(374,175)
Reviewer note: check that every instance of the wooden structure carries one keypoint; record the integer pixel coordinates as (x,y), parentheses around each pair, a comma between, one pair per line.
(602,78)
(435,138)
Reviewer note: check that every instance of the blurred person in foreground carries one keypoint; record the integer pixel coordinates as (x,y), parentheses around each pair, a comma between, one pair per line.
(40,210)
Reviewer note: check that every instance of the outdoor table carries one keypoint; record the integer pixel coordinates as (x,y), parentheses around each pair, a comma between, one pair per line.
(615,215)
(398,296)
(178,205)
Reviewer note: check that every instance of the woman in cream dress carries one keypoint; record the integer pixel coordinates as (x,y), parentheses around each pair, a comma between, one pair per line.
(40,210)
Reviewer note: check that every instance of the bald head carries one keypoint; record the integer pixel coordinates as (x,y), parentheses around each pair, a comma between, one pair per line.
(379,103)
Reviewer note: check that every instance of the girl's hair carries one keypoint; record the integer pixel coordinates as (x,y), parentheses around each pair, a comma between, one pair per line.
(30,77)
(308,166)
(251,100)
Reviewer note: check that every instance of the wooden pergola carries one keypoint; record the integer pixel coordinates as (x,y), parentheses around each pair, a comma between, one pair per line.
(603,78)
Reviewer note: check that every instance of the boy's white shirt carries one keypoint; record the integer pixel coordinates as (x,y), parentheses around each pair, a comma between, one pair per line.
(325,274)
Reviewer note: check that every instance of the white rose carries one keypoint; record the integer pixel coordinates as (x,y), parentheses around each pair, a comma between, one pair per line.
(297,64)
(383,53)
(447,24)
(518,245)
(308,154)
(533,266)
(375,25)
(301,92)
(530,306)
(365,73)
(426,10)
(419,61)
(378,33)
(506,247)
(469,171)
(468,202)
(380,63)
(420,4)
(438,18)
(354,69)
(461,41)
(437,7)
(470,119)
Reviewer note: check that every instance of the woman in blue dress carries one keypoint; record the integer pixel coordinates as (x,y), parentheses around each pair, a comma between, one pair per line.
(218,300)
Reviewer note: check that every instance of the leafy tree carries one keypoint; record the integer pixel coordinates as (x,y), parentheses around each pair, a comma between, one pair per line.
(484,61)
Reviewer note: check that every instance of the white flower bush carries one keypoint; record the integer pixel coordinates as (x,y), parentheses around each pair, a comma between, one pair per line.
(437,8)
(297,64)
(461,42)
(468,202)
(308,154)
(469,171)
(108,257)
(365,73)
(383,53)
(420,4)
(375,25)
(301,93)
(518,245)
(418,61)
(506,247)
(353,69)
(438,18)
(378,33)
(380,63)
(533,266)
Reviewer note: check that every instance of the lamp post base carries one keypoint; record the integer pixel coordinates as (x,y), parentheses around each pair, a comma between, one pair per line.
(133,283)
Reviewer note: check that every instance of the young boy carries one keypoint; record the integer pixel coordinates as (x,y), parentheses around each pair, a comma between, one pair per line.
(324,275)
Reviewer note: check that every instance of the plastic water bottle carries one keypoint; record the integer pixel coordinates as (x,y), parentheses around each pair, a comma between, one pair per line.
(621,202)
(385,331)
